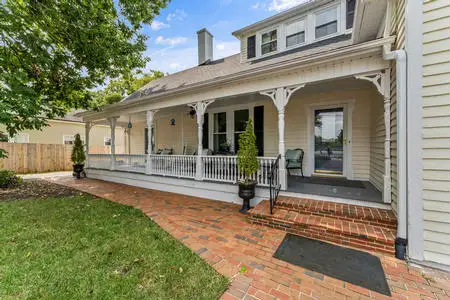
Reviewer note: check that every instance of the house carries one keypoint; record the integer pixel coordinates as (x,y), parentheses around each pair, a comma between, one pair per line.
(63,130)
(361,86)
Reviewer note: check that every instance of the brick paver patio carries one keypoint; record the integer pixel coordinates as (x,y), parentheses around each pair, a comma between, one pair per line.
(243,252)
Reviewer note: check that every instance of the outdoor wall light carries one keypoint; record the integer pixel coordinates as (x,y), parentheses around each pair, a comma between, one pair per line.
(172,122)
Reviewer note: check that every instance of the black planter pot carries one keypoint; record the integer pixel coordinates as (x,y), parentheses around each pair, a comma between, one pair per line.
(246,192)
(78,169)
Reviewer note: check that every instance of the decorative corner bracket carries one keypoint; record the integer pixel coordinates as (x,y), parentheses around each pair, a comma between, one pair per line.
(379,79)
(280,96)
(201,106)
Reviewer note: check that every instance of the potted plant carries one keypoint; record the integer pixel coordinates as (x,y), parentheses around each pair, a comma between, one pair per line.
(78,156)
(248,165)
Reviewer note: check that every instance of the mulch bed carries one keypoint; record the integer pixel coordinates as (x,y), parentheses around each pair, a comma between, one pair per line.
(37,189)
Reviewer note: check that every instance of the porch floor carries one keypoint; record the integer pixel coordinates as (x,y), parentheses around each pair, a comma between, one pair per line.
(335,187)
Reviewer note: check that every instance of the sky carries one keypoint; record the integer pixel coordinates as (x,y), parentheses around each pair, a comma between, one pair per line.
(172,43)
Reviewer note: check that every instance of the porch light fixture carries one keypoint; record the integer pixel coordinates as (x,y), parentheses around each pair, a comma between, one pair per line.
(130,125)
(192,113)
(172,122)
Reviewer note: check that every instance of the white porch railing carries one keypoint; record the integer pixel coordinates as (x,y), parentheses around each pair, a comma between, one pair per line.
(215,168)
(224,169)
(131,163)
(182,166)
(99,161)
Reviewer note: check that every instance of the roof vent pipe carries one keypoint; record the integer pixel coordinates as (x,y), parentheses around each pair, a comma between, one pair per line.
(205,46)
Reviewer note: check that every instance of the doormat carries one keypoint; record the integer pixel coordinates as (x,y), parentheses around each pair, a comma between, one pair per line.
(330,181)
(349,265)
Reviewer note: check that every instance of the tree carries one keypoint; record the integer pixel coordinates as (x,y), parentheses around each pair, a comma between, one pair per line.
(78,156)
(119,88)
(53,53)
(248,152)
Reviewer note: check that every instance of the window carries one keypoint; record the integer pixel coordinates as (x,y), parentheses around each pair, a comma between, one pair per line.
(220,133)
(20,138)
(251,47)
(326,22)
(240,122)
(350,13)
(295,33)
(68,139)
(107,141)
(269,42)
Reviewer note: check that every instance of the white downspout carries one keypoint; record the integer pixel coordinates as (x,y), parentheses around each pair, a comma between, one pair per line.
(402,211)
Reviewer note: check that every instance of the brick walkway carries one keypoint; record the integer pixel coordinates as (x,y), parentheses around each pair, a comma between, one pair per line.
(243,252)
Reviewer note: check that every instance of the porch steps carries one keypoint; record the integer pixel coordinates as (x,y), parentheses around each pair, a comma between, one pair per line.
(373,232)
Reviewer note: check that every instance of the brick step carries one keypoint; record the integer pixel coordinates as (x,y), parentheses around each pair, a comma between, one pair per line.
(342,232)
(341,211)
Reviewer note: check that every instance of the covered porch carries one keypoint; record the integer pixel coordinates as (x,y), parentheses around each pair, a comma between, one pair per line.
(341,125)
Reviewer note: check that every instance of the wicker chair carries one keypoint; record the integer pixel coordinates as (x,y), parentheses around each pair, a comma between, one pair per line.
(294,160)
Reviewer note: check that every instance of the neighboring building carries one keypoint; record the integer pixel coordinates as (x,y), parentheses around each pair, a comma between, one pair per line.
(362,87)
(63,130)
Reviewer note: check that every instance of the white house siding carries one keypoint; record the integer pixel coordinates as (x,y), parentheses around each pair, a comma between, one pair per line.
(397,29)
(244,46)
(436,130)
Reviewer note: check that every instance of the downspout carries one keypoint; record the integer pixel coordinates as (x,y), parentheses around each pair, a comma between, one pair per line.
(401,240)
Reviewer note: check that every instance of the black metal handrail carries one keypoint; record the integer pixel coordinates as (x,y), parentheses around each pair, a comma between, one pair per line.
(274,182)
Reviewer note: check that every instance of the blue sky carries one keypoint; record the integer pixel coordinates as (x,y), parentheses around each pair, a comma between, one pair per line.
(172,43)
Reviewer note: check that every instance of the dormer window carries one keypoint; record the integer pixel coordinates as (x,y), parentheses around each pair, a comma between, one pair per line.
(269,42)
(295,33)
(326,22)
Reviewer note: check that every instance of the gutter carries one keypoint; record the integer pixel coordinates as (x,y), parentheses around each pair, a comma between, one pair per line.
(400,58)
(261,71)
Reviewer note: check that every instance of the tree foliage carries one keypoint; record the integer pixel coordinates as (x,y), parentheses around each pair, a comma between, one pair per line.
(118,88)
(248,152)
(53,53)
(78,155)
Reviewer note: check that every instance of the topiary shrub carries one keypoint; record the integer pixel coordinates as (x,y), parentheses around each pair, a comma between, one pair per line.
(247,155)
(9,179)
(78,155)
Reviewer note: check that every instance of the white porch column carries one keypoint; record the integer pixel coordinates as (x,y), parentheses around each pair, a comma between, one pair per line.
(113,122)
(150,118)
(87,130)
(280,97)
(200,109)
(381,80)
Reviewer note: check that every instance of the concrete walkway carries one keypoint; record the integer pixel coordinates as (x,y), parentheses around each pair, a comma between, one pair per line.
(243,252)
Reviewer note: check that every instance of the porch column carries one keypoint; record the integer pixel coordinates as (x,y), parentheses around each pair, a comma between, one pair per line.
(150,118)
(280,97)
(382,80)
(113,122)
(200,109)
(87,130)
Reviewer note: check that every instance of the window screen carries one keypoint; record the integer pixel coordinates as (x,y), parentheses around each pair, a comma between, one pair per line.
(326,22)
(295,33)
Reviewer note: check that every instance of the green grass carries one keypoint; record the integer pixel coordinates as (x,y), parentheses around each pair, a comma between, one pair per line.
(82,247)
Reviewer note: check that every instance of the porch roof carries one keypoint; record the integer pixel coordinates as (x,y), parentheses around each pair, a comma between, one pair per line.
(232,65)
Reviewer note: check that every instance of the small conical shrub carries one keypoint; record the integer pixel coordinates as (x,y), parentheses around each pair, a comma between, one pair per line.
(78,155)
(248,152)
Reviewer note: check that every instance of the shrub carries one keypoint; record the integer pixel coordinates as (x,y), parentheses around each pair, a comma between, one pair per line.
(78,155)
(9,179)
(247,154)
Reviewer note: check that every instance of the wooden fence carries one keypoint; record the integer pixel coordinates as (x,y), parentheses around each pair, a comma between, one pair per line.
(36,158)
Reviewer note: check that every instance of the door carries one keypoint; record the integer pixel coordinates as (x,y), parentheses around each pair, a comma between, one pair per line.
(329,141)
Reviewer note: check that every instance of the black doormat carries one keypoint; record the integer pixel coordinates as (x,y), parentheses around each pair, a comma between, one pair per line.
(353,266)
(329,181)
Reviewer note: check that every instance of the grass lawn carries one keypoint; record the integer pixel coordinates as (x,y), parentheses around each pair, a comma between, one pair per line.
(84,247)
